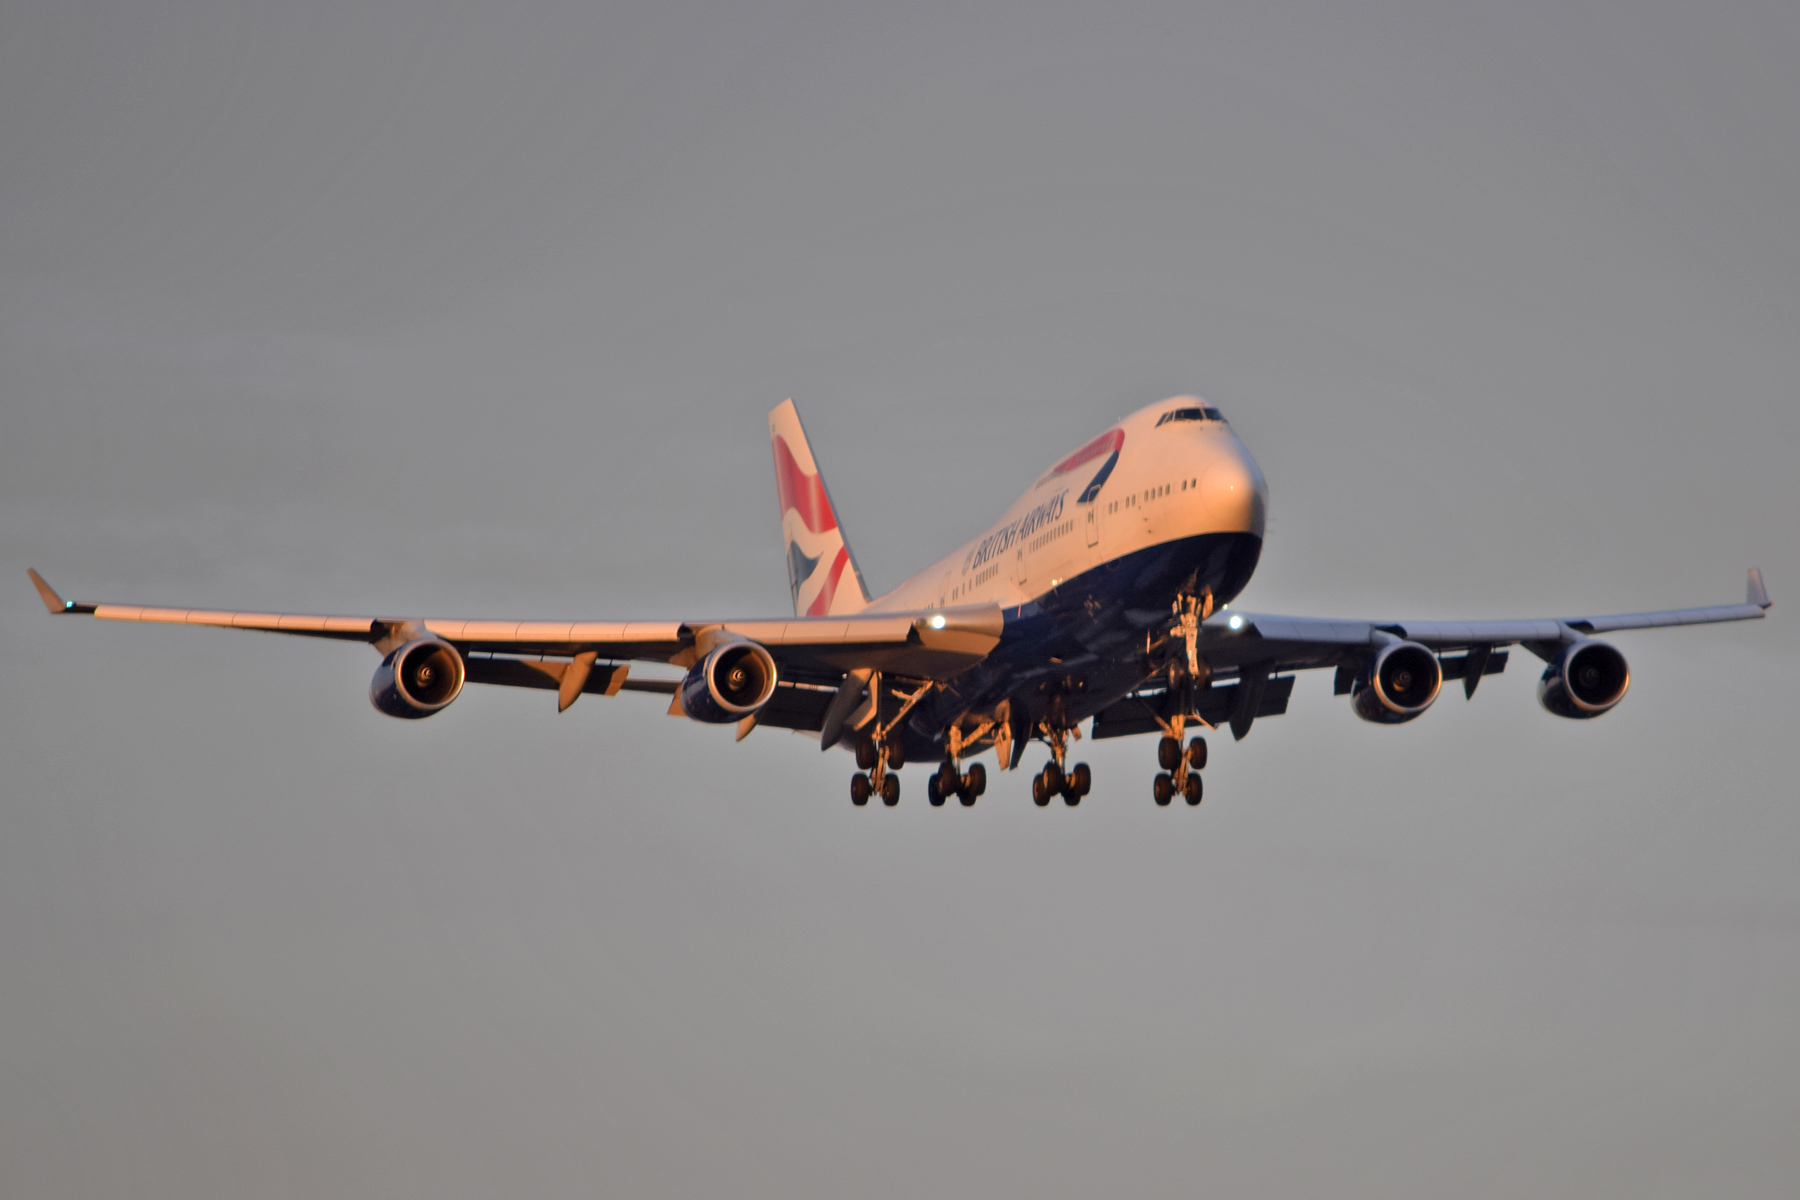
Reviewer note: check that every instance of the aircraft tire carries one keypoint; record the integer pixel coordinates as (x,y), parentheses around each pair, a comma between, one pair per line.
(974,783)
(1040,795)
(1164,790)
(1053,777)
(865,752)
(1196,754)
(859,789)
(890,790)
(1168,754)
(933,792)
(1193,788)
(1081,780)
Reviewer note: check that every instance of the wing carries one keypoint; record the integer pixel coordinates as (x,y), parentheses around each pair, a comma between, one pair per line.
(1300,642)
(925,644)
(1262,649)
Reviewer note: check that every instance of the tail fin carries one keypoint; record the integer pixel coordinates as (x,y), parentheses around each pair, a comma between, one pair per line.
(821,569)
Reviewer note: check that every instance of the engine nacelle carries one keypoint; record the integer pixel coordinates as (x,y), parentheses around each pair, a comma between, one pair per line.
(418,679)
(1399,683)
(1587,679)
(728,684)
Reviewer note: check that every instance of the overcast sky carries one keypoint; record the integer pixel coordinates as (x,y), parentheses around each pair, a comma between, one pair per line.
(468,310)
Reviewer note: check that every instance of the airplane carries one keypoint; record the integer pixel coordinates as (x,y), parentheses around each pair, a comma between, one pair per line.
(1101,596)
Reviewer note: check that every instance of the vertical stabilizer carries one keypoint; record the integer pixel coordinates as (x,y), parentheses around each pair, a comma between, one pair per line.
(821,569)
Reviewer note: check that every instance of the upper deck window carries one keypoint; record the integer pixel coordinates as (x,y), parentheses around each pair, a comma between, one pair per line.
(1208,413)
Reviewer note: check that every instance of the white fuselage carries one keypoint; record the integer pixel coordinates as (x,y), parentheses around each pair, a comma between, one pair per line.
(1171,481)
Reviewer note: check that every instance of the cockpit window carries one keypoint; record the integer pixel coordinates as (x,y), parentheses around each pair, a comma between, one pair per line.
(1191,414)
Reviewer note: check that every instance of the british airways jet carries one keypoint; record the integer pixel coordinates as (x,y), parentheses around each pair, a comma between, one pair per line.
(1100,596)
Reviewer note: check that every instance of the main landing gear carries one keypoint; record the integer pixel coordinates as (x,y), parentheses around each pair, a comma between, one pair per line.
(878,761)
(947,783)
(1180,771)
(1054,781)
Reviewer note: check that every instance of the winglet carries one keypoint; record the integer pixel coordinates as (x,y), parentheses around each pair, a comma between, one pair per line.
(1755,592)
(55,603)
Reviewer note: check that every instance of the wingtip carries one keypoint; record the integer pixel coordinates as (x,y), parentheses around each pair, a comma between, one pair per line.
(1755,592)
(52,601)
(55,603)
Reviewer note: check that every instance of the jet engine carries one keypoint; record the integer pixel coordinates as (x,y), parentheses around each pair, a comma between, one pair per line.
(732,682)
(1399,683)
(1586,679)
(418,679)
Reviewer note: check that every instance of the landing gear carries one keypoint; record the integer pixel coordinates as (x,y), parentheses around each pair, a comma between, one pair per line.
(973,784)
(1071,785)
(1180,770)
(1079,782)
(945,783)
(879,761)
(1052,782)
(1166,785)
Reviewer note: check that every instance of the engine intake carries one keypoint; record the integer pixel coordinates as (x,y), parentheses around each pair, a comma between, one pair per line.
(418,679)
(730,683)
(1399,683)
(1587,679)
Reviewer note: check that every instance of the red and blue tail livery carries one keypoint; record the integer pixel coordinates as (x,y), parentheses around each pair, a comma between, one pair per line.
(821,570)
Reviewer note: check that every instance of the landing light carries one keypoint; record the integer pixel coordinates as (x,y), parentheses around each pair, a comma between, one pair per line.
(1236,621)
(937,622)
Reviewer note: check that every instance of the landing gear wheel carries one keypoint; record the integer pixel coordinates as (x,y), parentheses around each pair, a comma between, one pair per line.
(1053,778)
(1168,754)
(896,755)
(1192,789)
(934,792)
(1081,780)
(1071,797)
(890,790)
(1164,790)
(1196,754)
(1040,795)
(973,784)
(859,789)
(865,752)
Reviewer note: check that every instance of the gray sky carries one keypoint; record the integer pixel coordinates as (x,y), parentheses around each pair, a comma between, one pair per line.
(477,310)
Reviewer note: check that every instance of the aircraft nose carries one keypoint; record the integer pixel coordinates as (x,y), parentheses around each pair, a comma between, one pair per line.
(1232,492)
